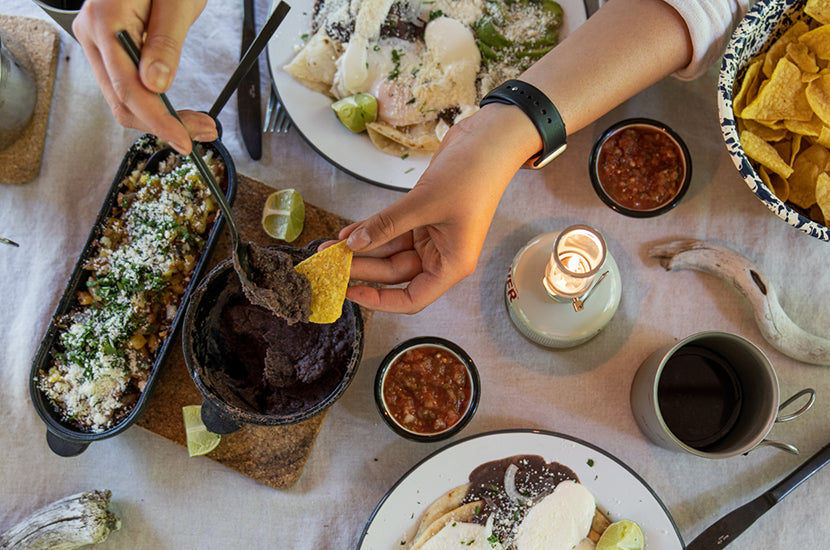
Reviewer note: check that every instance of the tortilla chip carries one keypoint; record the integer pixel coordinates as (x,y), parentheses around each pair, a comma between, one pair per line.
(762,152)
(818,97)
(806,168)
(818,10)
(818,40)
(778,49)
(781,97)
(810,128)
(823,194)
(765,132)
(777,184)
(749,87)
(418,139)
(803,58)
(328,272)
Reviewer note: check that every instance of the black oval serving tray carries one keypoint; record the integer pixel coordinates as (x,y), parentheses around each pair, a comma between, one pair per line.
(64,438)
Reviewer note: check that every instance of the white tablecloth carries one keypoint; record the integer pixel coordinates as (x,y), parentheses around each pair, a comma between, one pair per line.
(168,500)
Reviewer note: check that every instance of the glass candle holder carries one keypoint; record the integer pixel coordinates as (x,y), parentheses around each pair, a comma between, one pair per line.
(577,256)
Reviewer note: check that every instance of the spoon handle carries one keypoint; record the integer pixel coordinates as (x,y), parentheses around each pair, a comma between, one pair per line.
(204,171)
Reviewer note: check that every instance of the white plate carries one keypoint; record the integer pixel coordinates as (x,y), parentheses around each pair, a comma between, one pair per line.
(618,490)
(312,115)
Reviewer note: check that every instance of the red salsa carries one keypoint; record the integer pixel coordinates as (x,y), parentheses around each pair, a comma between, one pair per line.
(427,389)
(640,168)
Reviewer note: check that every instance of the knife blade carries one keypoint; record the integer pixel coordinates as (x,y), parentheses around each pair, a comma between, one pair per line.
(727,529)
(248,95)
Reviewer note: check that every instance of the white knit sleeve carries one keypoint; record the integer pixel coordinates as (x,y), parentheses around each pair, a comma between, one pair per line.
(710,24)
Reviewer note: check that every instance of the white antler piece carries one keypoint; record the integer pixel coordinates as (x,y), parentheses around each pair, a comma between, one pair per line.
(775,325)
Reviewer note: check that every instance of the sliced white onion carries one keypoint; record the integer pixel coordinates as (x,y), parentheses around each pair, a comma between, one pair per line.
(510,483)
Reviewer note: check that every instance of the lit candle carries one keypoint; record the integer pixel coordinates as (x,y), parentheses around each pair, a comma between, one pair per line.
(578,253)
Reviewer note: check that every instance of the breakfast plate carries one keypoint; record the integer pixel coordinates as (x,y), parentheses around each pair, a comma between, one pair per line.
(620,493)
(314,119)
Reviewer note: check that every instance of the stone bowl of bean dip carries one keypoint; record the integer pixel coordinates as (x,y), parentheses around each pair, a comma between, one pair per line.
(640,168)
(427,389)
(253,367)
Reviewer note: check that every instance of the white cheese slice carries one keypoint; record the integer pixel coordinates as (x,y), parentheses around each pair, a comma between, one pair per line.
(560,521)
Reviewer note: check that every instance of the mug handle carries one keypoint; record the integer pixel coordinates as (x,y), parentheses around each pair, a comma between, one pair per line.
(792,449)
(786,418)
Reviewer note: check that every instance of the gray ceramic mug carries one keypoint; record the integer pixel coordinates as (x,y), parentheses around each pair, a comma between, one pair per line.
(63,12)
(713,394)
(17,96)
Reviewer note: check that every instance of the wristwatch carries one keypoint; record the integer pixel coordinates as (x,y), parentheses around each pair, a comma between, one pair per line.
(541,112)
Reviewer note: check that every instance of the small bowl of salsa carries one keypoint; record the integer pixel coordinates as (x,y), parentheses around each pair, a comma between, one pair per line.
(427,389)
(640,168)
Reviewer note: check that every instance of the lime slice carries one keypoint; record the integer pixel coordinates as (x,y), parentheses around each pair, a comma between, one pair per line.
(199,440)
(283,215)
(355,111)
(622,535)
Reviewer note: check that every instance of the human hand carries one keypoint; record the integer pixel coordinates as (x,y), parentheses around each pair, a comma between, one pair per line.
(431,238)
(130,93)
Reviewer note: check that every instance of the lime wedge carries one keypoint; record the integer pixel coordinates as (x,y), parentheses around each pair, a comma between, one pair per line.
(355,111)
(283,215)
(199,440)
(622,535)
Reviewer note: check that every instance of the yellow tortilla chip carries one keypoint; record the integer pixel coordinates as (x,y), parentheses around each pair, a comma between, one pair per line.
(818,40)
(764,131)
(811,127)
(762,152)
(418,139)
(749,87)
(781,97)
(328,272)
(818,97)
(803,58)
(775,183)
(818,10)
(823,194)
(806,168)
(778,49)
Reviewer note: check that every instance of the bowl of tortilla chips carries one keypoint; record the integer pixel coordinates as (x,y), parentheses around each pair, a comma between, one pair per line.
(774,108)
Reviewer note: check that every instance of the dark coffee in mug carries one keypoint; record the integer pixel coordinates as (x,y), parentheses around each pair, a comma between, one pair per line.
(64,4)
(699,395)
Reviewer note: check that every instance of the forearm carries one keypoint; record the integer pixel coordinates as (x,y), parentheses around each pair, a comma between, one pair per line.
(622,49)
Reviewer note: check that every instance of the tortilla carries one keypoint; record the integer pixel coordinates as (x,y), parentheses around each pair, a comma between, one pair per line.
(418,139)
(818,10)
(314,65)
(328,272)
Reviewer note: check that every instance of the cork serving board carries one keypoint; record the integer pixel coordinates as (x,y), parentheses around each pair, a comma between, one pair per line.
(36,44)
(274,456)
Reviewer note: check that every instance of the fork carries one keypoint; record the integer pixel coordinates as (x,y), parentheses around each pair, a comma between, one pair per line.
(276,119)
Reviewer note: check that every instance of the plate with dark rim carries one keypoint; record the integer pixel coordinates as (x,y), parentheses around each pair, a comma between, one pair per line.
(315,121)
(619,491)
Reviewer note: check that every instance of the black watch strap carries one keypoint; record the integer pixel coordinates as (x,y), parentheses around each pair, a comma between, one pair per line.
(541,112)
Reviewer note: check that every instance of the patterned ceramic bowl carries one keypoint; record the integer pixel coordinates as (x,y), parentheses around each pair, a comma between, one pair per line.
(766,21)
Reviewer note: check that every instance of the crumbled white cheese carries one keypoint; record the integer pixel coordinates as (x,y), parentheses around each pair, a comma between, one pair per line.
(134,279)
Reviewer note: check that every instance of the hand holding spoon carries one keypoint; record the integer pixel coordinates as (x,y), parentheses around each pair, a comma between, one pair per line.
(239,247)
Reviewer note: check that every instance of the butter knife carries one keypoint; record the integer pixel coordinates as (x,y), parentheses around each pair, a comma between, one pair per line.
(727,529)
(248,94)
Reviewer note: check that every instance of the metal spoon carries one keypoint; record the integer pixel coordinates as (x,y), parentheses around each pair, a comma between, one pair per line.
(239,247)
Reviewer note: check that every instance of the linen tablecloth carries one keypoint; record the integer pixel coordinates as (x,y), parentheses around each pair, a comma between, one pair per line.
(168,500)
